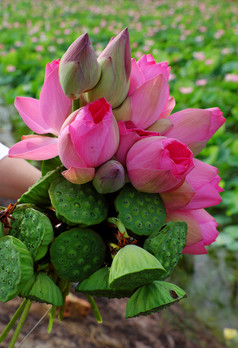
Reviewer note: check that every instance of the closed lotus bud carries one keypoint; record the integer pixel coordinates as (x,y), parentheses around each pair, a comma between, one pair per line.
(115,62)
(110,177)
(79,70)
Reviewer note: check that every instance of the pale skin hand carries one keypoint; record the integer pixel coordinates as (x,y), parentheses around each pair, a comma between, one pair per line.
(16,176)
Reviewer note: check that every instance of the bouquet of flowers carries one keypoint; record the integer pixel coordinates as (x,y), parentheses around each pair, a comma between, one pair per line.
(122,195)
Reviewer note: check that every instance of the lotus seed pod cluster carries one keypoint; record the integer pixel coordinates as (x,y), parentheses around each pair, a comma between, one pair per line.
(122,194)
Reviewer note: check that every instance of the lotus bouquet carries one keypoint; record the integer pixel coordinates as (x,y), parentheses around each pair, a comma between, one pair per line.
(122,195)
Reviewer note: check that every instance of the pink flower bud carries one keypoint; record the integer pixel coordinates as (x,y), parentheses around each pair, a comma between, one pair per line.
(109,177)
(158,164)
(115,62)
(89,139)
(79,70)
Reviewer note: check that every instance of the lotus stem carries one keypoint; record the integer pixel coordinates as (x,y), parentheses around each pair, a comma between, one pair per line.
(119,225)
(95,309)
(13,320)
(20,324)
(75,104)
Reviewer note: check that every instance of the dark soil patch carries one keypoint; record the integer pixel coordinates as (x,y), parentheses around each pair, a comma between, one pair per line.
(171,328)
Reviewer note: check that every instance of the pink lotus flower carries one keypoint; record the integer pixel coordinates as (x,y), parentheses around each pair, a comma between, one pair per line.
(194,127)
(201,229)
(42,116)
(148,94)
(129,135)
(88,138)
(158,164)
(200,190)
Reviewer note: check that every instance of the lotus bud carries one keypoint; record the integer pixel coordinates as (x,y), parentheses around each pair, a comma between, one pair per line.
(115,62)
(79,70)
(110,177)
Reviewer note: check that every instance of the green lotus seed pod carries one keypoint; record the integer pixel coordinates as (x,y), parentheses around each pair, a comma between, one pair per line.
(34,229)
(135,266)
(167,245)
(77,204)
(38,193)
(97,285)
(43,290)
(16,266)
(140,212)
(153,297)
(77,253)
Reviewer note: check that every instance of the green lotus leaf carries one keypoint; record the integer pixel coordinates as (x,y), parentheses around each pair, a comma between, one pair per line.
(77,253)
(77,204)
(44,290)
(140,212)
(50,164)
(167,244)
(152,298)
(135,266)
(16,267)
(38,193)
(34,229)
(97,285)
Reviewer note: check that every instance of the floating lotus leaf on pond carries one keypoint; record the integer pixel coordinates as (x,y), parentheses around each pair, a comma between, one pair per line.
(43,290)
(16,266)
(97,285)
(34,229)
(77,204)
(135,266)
(38,193)
(167,244)
(140,212)
(77,253)
(153,297)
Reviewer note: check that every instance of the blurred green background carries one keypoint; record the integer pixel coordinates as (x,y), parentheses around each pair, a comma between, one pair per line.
(198,39)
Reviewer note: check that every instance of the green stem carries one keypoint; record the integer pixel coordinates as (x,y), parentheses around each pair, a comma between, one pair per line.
(13,320)
(119,225)
(94,308)
(65,291)
(75,104)
(20,324)
(52,317)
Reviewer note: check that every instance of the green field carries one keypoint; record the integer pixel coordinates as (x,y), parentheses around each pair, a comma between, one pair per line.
(198,39)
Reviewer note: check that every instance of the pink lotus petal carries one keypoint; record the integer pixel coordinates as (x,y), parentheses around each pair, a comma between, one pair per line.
(168,108)
(79,175)
(150,71)
(161,126)
(154,94)
(195,249)
(179,198)
(194,234)
(204,179)
(54,105)
(35,148)
(136,78)
(67,152)
(29,109)
(201,226)
(194,127)
(129,135)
